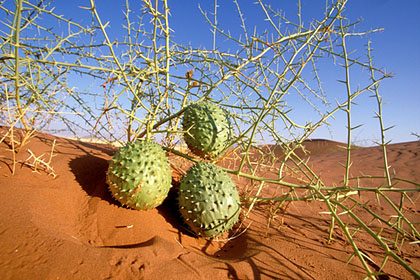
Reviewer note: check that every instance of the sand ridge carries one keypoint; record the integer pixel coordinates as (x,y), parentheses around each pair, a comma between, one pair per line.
(69,227)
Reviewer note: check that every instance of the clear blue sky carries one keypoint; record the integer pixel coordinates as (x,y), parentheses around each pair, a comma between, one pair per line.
(396,49)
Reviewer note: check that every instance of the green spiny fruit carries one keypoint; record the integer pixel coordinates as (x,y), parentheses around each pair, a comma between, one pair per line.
(209,129)
(139,175)
(208,200)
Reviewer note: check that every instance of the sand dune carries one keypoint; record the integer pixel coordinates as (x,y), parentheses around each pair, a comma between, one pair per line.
(69,227)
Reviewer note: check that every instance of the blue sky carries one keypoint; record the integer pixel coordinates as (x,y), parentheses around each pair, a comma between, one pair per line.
(396,50)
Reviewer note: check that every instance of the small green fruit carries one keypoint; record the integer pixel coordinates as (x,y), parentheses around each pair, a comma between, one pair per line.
(209,130)
(139,175)
(208,200)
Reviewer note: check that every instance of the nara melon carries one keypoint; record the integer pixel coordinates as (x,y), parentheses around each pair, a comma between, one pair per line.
(139,175)
(208,200)
(208,129)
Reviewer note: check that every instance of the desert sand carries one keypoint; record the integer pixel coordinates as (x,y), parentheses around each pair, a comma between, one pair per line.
(69,227)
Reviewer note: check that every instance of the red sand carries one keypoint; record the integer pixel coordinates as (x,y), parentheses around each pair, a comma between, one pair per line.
(69,227)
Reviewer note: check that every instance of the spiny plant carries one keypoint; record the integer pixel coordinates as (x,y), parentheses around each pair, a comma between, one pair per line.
(144,93)
(139,175)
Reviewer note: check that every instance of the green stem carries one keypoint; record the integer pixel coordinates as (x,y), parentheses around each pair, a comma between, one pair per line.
(378,239)
(17,21)
(381,123)
(348,109)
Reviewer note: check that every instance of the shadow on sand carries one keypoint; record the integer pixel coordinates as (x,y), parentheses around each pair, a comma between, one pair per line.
(90,173)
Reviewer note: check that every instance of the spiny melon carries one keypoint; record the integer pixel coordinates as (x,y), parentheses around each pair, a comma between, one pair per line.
(208,200)
(139,175)
(208,129)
